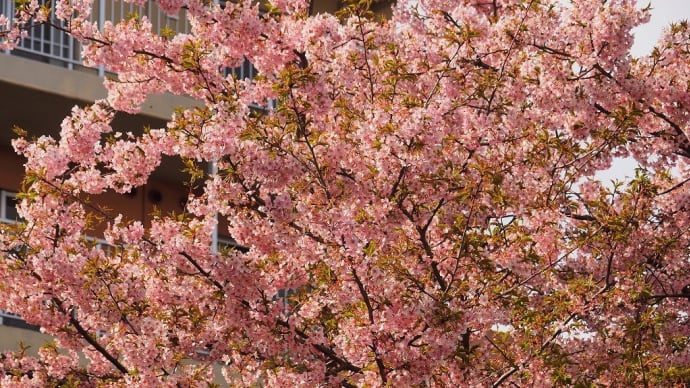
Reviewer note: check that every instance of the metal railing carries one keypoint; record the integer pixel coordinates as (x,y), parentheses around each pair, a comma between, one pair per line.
(10,319)
(48,44)
(246,70)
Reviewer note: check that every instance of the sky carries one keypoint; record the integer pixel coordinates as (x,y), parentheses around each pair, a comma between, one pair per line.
(664,12)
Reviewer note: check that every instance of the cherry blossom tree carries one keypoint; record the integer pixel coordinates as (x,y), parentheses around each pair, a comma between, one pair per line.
(423,184)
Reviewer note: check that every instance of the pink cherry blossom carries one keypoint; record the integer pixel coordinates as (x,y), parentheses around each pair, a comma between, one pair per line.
(416,201)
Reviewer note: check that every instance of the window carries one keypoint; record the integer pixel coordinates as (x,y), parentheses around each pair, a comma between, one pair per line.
(9,215)
(8,211)
(247,71)
(244,71)
(108,250)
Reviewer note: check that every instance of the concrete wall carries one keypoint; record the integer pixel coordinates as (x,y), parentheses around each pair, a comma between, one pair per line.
(12,337)
(37,96)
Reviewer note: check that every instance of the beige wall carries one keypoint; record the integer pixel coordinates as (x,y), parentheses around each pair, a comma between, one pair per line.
(12,337)
(51,84)
(38,95)
(381,7)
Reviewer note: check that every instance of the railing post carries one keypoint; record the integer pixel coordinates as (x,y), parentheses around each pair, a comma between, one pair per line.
(213,170)
(6,8)
(101,22)
(70,51)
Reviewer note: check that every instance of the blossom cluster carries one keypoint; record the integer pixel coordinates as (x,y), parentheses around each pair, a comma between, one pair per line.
(422,185)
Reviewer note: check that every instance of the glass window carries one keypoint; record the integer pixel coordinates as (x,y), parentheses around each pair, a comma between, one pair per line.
(8,212)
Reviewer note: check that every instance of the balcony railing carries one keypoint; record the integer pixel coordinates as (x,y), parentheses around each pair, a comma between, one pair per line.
(9,319)
(48,44)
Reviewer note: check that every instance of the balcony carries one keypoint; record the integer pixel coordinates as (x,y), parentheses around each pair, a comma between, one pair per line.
(49,45)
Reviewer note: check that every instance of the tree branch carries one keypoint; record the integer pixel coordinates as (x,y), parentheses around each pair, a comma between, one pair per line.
(365,295)
(89,338)
(325,350)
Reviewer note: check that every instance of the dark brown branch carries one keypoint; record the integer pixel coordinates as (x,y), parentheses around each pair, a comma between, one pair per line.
(155,56)
(608,282)
(347,174)
(123,315)
(674,187)
(450,19)
(427,247)
(483,65)
(370,312)
(582,217)
(302,62)
(503,353)
(401,176)
(303,134)
(679,131)
(543,346)
(411,342)
(89,338)
(433,214)
(550,50)
(513,43)
(601,108)
(425,243)
(602,71)
(325,350)
(668,121)
(437,275)
(206,274)
(83,332)
(306,232)
(380,366)
(665,118)
(365,295)
(365,49)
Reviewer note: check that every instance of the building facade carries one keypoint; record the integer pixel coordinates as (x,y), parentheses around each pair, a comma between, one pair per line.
(43,79)
(40,82)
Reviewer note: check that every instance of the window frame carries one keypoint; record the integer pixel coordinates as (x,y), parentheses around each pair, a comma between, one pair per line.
(4,195)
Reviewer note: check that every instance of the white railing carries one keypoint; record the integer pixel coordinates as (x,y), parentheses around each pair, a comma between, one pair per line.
(10,319)
(7,314)
(51,45)
(48,44)
(246,70)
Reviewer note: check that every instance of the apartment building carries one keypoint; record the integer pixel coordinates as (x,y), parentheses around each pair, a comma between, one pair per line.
(43,79)
(40,82)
